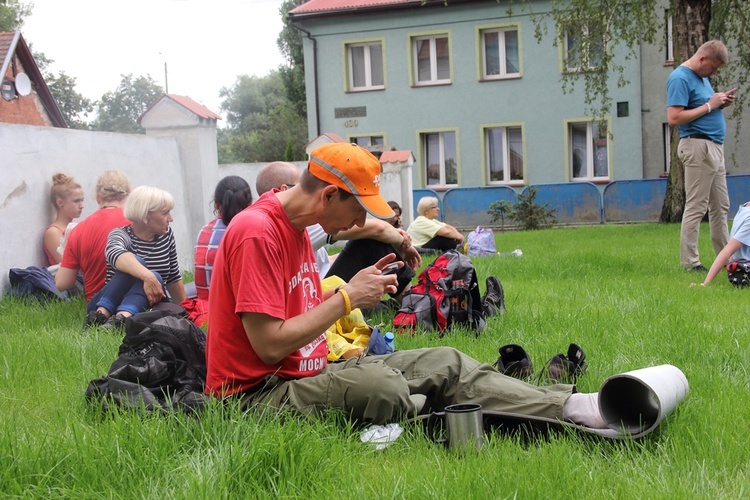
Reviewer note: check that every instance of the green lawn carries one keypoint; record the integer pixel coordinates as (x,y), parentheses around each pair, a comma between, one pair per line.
(617,291)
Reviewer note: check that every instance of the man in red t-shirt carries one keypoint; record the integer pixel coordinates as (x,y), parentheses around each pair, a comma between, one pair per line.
(268,315)
(84,249)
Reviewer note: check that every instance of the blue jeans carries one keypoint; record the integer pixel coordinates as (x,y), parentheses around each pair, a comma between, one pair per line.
(122,293)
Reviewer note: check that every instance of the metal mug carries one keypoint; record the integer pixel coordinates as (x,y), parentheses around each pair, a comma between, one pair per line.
(465,426)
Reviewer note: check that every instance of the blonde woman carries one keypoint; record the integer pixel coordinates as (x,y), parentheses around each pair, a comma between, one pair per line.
(141,261)
(84,250)
(66,196)
(427,232)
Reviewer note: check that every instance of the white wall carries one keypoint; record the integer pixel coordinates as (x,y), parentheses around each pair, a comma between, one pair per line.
(30,156)
(178,159)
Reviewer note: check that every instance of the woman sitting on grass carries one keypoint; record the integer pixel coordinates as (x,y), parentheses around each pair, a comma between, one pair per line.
(66,196)
(231,196)
(428,233)
(738,246)
(141,261)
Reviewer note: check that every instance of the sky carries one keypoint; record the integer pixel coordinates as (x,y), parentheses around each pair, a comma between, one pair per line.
(205,44)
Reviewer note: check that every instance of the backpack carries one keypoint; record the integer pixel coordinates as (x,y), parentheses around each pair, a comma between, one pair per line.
(481,242)
(161,366)
(738,272)
(446,293)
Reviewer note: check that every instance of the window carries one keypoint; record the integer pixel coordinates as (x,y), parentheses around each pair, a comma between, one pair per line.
(432,60)
(589,158)
(500,56)
(365,66)
(368,141)
(668,36)
(583,48)
(504,149)
(439,153)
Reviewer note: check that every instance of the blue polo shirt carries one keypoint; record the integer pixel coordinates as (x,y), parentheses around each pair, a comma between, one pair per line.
(686,89)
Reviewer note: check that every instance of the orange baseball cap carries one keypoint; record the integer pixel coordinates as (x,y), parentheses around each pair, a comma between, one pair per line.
(353,169)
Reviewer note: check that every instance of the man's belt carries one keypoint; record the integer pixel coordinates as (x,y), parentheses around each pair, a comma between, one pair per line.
(701,136)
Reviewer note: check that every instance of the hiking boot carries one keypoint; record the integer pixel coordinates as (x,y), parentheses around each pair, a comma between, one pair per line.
(565,369)
(493,302)
(514,362)
(115,322)
(94,318)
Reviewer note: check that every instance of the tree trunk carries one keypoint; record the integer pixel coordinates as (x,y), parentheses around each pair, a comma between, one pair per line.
(690,21)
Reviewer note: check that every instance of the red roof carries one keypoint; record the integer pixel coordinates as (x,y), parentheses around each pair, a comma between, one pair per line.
(395,156)
(198,109)
(338,6)
(12,44)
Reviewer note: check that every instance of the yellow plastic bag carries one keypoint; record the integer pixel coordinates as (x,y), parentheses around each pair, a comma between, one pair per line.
(350,334)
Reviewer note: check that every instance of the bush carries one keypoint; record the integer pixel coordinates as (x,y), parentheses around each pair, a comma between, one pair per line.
(526,212)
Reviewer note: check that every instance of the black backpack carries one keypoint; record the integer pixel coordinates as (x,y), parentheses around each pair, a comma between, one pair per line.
(446,293)
(161,366)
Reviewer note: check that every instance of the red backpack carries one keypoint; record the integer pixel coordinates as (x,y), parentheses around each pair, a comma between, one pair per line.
(446,293)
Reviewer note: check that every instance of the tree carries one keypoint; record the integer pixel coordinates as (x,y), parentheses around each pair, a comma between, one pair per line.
(12,14)
(72,104)
(290,46)
(261,121)
(610,24)
(119,111)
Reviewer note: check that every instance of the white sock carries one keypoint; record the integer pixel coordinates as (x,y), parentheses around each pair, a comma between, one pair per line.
(583,409)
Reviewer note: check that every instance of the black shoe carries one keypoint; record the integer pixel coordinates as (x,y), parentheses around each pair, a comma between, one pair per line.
(514,361)
(116,322)
(565,369)
(493,301)
(94,318)
(700,268)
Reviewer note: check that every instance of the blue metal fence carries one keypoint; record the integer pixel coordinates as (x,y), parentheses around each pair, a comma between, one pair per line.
(574,202)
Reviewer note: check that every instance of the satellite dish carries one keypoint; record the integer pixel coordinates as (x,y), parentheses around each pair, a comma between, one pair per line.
(23,84)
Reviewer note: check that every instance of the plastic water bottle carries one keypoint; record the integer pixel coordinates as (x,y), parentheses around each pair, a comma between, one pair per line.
(390,339)
(515,253)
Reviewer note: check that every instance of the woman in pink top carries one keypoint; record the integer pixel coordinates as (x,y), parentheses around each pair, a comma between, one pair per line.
(66,196)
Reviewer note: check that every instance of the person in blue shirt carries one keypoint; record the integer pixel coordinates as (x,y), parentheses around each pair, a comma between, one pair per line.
(695,109)
(738,246)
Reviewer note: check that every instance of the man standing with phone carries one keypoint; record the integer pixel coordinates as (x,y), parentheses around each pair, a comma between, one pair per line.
(695,109)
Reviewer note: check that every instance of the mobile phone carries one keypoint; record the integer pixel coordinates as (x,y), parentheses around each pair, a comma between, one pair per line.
(389,269)
(732,92)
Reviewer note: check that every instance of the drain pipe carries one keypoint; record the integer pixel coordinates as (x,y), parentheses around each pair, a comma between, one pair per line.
(315,76)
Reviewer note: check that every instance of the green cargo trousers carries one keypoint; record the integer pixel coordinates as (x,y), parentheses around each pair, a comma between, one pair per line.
(377,389)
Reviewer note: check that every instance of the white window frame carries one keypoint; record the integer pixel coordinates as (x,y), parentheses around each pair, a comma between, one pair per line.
(370,143)
(588,60)
(593,136)
(669,49)
(432,39)
(505,152)
(423,136)
(367,64)
(503,70)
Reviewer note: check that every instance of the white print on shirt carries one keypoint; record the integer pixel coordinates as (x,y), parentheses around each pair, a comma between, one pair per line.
(304,268)
(306,351)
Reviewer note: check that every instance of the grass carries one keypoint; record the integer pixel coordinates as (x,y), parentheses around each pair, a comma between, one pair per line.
(616,290)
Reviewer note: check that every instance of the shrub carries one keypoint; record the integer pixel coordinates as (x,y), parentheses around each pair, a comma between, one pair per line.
(526,212)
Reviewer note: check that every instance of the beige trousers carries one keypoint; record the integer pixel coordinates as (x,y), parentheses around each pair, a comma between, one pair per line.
(705,189)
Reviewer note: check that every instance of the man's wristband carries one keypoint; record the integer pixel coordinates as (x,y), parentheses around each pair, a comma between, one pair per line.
(708,105)
(347,302)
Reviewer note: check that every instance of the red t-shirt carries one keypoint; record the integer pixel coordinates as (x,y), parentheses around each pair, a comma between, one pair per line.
(85,247)
(264,265)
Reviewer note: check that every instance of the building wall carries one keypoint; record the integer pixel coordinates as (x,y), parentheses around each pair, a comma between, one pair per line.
(27,110)
(654,74)
(536,100)
(400,112)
